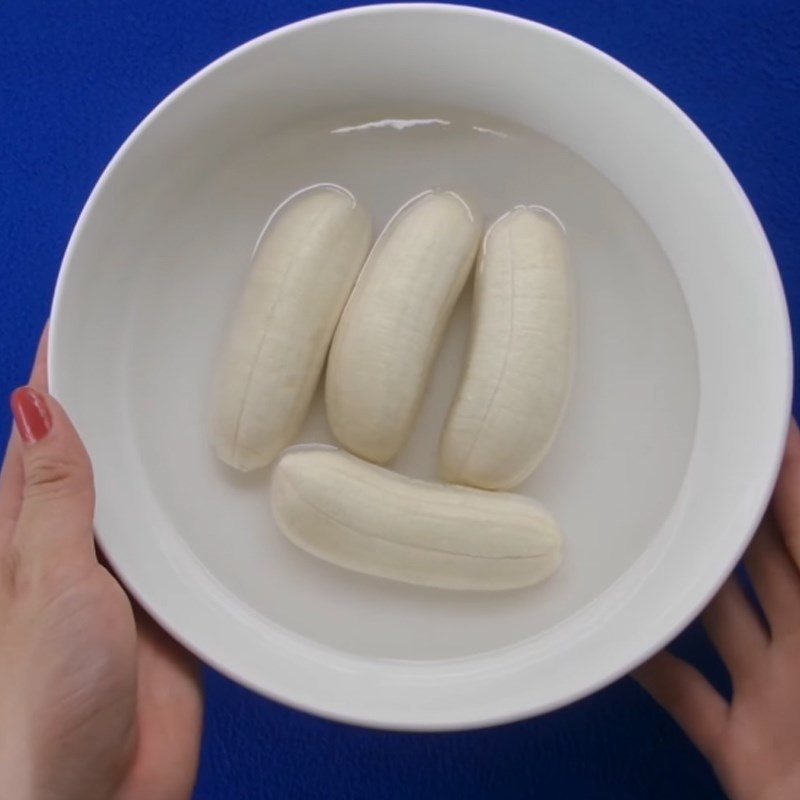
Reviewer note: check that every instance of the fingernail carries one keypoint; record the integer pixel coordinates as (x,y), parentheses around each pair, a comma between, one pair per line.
(30,414)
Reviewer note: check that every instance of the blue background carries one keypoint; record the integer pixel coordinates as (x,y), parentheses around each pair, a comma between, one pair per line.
(77,76)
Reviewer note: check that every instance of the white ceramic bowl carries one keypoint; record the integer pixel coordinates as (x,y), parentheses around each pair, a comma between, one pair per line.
(668,451)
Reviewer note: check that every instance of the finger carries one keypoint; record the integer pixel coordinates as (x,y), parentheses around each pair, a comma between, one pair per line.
(10,487)
(775,580)
(11,475)
(55,519)
(38,379)
(170,709)
(735,630)
(157,646)
(687,697)
(786,499)
(153,639)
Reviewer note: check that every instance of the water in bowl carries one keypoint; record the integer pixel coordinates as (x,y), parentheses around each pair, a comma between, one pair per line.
(613,474)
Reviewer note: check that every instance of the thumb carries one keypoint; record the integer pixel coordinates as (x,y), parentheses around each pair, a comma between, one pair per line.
(58,489)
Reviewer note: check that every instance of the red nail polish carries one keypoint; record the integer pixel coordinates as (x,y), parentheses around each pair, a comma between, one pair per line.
(30,414)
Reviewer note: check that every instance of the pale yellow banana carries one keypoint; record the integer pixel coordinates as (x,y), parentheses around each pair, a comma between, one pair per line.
(303,270)
(392,327)
(371,520)
(519,368)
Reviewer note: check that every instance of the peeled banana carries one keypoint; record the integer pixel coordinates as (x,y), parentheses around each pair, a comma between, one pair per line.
(519,368)
(303,270)
(371,520)
(392,327)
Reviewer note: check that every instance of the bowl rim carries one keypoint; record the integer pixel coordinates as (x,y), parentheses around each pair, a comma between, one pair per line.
(337,710)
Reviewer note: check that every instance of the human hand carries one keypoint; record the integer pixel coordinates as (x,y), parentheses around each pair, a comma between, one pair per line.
(95,700)
(753,742)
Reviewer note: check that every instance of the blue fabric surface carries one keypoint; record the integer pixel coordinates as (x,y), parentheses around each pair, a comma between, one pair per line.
(76,77)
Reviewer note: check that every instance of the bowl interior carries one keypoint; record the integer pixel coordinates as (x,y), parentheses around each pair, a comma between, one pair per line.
(680,395)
